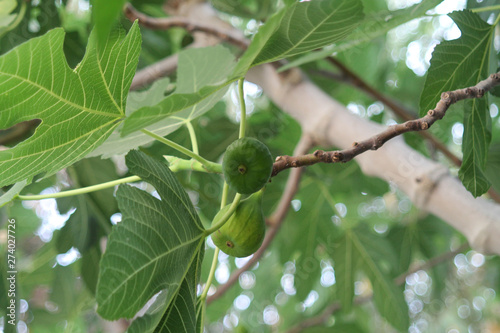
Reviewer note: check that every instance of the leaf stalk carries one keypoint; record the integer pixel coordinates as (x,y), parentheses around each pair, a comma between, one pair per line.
(178,147)
(226,216)
(243,112)
(82,190)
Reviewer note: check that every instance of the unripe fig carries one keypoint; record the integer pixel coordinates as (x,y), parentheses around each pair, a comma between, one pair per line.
(247,165)
(244,232)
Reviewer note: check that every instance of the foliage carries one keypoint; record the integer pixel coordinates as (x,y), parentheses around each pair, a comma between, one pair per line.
(143,251)
(93,98)
(461,63)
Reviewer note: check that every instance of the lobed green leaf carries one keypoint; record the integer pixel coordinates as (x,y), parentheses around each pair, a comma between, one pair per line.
(371,27)
(359,249)
(180,315)
(492,166)
(12,192)
(153,247)
(388,298)
(475,143)
(105,14)
(299,28)
(346,263)
(79,108)
(458,64)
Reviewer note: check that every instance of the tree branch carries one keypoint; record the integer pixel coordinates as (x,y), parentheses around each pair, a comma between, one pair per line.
(336,306)
(155,71)
(190,26)
(168,65)
(351,78)
(274,221)
(399,110)
(356,81)
(377,141)
(431,263)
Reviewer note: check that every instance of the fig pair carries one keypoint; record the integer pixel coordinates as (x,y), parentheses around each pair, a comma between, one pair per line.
(247,167)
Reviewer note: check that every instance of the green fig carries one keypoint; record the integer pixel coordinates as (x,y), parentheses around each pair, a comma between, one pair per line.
(247,165)
(244,232)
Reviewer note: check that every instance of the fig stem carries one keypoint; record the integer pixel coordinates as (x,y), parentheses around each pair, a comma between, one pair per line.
(226,216)
(177,164)
(192,135)
(210,278)
(203,296)
(485,9)
(243,113)
(16,22)
(82,190)
(177,147)
(225,191)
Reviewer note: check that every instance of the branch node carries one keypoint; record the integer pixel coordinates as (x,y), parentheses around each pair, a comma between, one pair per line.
(424,125)
(337,157)
(448,97)
(431,113)
(278,158)
(318,153)
(354,144)
(377,143)
(445,96)
(480,92)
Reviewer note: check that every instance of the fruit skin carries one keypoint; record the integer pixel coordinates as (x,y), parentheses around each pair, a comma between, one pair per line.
(247,165)
(244,232)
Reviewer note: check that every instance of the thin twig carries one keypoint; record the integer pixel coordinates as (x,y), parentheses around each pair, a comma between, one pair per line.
(165,23)
(377,141)
(349,77)
(431,263)
(398,109)
(355,80)
(336,306)
(274,221)
(323,316)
